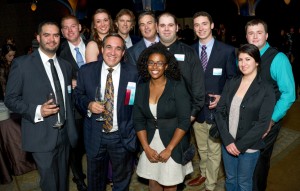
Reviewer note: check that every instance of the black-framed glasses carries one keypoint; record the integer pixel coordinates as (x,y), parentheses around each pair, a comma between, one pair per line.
(158,64)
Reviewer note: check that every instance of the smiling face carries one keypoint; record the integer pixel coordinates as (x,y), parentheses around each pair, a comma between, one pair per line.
(203,28)
(147,26)
(157,66)
(167,29)
(113,50)
(49,39)
(71,31)
(102,23)
(124,24)
(257,35)
(247,64)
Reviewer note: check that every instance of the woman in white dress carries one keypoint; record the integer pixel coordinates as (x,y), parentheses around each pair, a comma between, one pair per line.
(162,119)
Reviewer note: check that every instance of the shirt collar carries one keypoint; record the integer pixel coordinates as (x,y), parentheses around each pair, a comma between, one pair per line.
(81,45)
(106,67)
(44,57)
(148,43)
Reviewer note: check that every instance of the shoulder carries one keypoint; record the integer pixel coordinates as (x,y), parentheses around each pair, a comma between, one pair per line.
(137,46)
(223,46)
(91,44)
(129,67)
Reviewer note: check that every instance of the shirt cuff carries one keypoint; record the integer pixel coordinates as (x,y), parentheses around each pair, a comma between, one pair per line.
(38,116)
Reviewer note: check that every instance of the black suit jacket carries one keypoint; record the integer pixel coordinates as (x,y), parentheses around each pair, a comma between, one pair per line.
(134,39)
(173,111)
(65,53)
(28,86)
(88,79)
(255,113)
(222,57)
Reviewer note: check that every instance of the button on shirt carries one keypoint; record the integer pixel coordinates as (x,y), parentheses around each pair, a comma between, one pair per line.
(116,79)
(46,64)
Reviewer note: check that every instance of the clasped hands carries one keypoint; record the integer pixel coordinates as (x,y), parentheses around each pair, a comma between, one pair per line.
(154,157)
(232,149)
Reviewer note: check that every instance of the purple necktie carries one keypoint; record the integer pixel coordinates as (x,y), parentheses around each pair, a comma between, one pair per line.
(203,57)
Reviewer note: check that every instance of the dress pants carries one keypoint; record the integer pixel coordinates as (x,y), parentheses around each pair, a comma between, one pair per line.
(77,153)
(210,153)
(111,148)
(261,172)
(53,166)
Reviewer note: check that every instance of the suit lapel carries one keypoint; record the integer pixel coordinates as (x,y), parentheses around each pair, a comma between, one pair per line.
(122,85)
(213,56)
(37,61)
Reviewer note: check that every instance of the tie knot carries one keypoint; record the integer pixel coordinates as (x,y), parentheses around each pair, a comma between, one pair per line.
(51,61)
(76,49)
(110,70)
(204,47)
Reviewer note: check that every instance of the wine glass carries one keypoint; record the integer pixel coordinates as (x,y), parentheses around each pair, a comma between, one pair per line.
(99,98)
(51,96)
(208,100)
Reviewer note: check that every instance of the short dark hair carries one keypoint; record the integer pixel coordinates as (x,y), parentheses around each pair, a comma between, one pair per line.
(252,51)
(113,35)
(167,14)
(203,14)
(172,72)
(150,13)
(256,22)
(42,24)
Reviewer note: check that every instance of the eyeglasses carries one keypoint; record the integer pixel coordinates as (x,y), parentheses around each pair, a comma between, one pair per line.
(158,64)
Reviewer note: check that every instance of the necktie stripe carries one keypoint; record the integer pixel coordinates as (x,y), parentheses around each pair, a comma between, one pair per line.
(109,97)
(203,57)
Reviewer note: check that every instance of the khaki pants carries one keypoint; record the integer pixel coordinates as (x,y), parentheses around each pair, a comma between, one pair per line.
(209,150)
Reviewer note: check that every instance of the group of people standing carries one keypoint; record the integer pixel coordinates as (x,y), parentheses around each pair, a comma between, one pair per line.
(154,89)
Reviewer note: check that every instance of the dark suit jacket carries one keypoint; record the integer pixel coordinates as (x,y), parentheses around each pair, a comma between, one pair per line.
(28,86)
(133,53)
(255,113)
(88,80)
(134,39)
(173,111)
(222,57)
(65,53)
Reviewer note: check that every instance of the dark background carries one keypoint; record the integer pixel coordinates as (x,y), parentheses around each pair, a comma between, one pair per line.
(17,19)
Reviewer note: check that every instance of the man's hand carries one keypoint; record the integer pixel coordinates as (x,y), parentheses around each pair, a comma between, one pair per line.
(192,119)
(269,129)
(48,108)
(74,83)
(213,104)
(96,108)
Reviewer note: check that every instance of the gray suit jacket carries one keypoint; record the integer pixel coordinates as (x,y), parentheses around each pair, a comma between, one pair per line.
(28,86)
(133,53)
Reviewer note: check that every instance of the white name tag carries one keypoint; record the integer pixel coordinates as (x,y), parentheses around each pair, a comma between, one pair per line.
(69,89)
(179,57)
(217,71)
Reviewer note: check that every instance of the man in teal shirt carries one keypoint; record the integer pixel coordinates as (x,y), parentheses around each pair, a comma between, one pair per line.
(277,70)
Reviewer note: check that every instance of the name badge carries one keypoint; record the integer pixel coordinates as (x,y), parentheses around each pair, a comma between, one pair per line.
(217,71)
(69,89)
(179,57)
(130,93)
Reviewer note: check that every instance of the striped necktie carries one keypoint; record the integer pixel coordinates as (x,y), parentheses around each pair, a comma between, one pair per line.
(203,57)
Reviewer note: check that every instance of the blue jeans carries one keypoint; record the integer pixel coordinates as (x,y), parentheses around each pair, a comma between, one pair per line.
(239,170)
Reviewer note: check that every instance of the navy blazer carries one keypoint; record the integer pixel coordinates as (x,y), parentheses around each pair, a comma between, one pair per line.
(88,79)
(222,57)
(173,111)
(133,53)
(28,86)
(255,113)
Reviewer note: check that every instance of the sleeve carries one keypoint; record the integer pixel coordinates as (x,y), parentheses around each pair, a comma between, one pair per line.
(183,106)
(80,97)
(198,88)
(261,125)
(221,116)
(14,90)
(231,68)
(281,72)
(139,119)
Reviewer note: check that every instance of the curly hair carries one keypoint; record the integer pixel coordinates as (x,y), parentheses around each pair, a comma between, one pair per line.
(172,71)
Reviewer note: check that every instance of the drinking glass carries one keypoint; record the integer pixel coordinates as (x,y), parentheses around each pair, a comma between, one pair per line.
(208,100)
(99,98)
(51,96)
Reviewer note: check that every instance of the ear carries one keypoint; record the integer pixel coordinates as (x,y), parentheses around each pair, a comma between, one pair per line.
(38,38)
(79,26)
(177,28)
(212,26)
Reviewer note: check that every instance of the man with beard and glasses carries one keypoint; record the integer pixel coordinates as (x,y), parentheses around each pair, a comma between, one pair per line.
(32,78)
